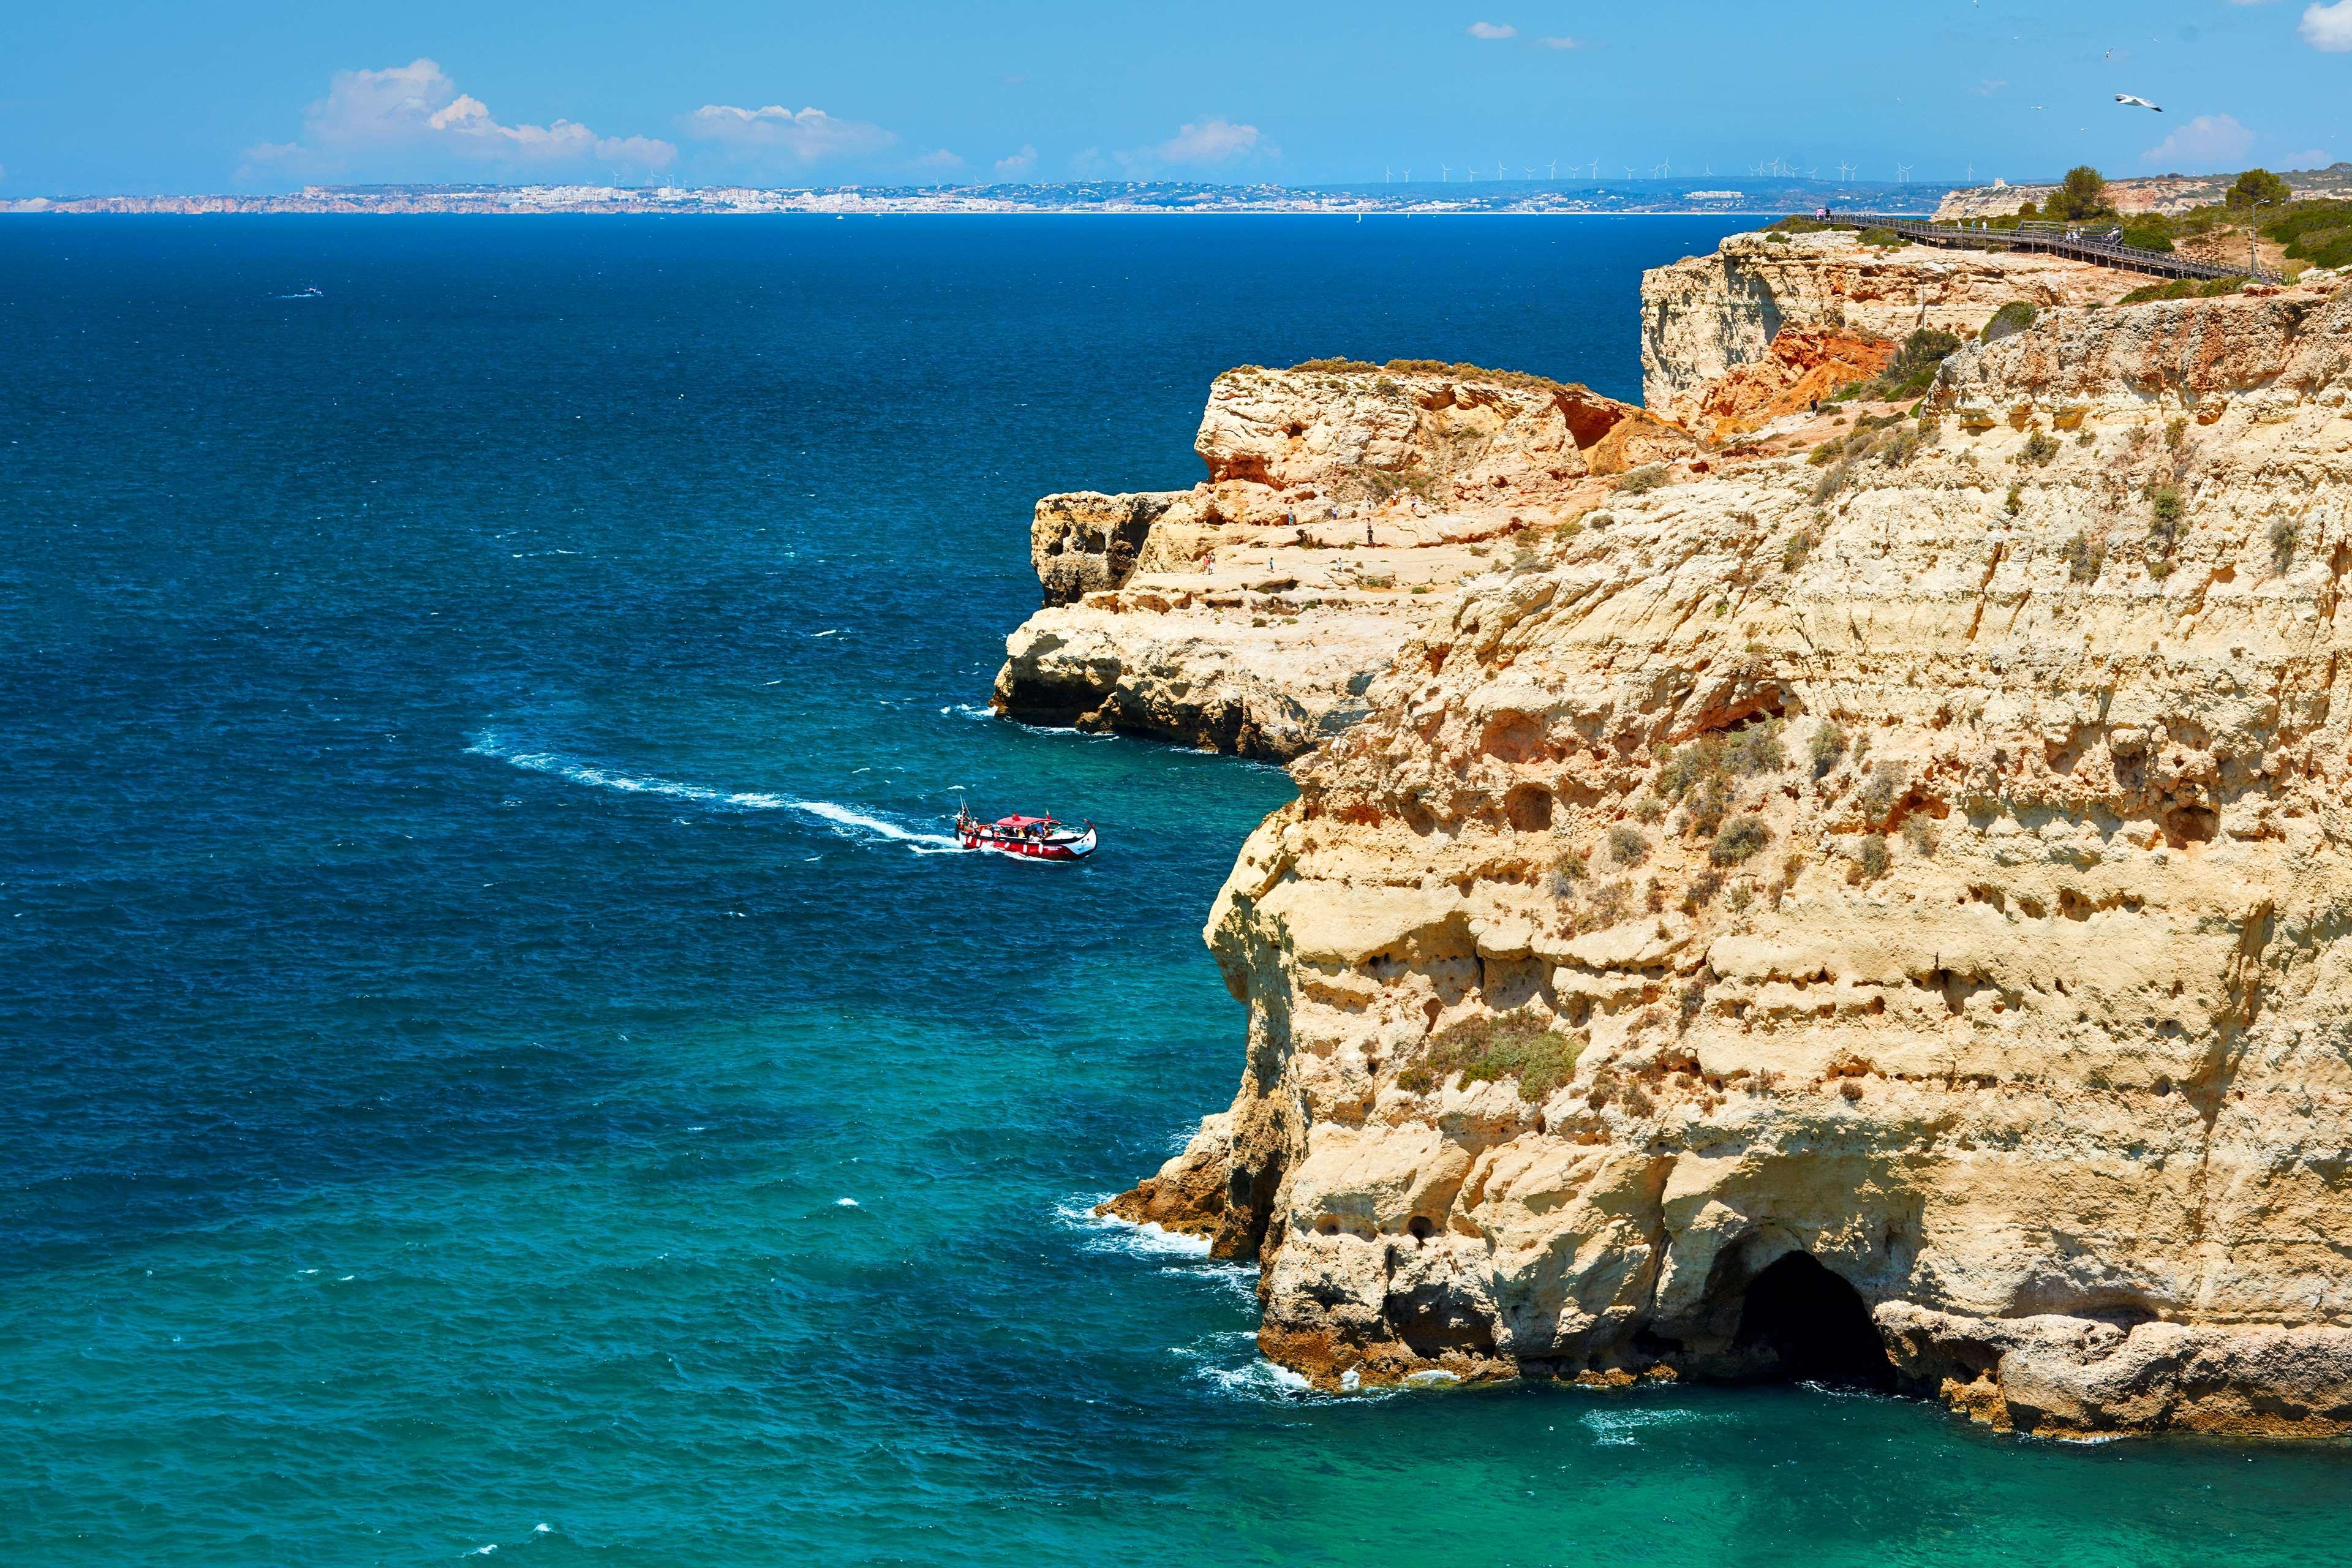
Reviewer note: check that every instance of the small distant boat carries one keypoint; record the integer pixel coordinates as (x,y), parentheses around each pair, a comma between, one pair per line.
(312,292)
(1026,837)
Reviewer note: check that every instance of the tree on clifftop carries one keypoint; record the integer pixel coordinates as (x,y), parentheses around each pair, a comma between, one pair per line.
(2259,185)
(2081,195)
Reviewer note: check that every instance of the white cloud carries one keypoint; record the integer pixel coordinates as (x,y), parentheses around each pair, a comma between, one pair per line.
(1505,30)
(939,158)
(807,137)
(1018,164)
(1210,142)
(410,120)
(2207,143)
(2330,27)
(2309,158)
(1989,86)
(1561,42)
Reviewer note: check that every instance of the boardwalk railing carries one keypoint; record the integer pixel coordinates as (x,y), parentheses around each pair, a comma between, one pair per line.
(2099,243)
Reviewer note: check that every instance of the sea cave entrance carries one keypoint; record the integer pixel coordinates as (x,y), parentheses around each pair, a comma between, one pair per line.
(1814,1326)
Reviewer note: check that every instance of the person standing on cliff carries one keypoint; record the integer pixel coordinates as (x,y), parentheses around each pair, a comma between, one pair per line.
(1368,531)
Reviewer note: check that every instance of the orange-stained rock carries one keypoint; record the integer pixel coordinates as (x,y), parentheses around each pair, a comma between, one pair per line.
(1803,363)
(1708,315)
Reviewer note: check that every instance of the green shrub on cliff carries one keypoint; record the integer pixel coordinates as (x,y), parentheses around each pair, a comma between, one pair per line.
(1719,756)
(1489,1050)
(1910,372)
(2318,232)
(2185,289)
(2007,321)
(1739,841)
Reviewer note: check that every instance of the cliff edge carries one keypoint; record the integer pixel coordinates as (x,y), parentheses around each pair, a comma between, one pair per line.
(1344,503)
(1869,905)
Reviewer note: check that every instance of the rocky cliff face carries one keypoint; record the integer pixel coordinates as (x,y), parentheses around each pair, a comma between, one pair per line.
(1250,613)
(1799,367)
(1704,316)
(1880,916)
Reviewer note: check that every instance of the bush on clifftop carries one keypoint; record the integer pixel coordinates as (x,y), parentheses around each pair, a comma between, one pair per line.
(2080,196)
(2258,185)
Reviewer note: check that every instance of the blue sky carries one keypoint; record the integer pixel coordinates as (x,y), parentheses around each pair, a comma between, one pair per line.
(237,95)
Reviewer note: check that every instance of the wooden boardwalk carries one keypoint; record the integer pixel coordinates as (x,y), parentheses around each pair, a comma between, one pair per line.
(2099,243)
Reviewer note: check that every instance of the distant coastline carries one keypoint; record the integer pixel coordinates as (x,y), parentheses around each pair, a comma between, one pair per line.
(1704,195)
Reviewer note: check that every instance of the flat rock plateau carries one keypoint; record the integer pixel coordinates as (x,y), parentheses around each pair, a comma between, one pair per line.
(1856,894)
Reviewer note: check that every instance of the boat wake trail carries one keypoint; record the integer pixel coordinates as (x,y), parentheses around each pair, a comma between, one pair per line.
(848,821)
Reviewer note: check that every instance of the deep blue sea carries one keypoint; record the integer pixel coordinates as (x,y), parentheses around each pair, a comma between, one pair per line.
(492,1059)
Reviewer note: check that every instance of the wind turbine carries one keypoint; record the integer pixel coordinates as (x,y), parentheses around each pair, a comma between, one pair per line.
(1500,172)
(1384,173)
(1554,169)
(1444,173)
(1408,176)
(1902,173)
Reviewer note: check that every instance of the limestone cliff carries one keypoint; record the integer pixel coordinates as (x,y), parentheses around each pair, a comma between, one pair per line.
(1250,613)
(1879,915)
(1706,315)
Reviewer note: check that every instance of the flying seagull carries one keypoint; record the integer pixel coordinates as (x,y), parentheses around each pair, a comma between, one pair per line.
(2139,102)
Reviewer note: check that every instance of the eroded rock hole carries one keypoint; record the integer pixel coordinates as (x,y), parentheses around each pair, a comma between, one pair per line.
(1814,1326)
(1528,808)
(2187,825)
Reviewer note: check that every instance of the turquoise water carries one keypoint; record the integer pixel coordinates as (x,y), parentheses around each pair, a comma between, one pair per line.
(490,1054)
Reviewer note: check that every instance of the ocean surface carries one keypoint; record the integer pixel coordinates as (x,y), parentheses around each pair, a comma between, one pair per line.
(493,1057)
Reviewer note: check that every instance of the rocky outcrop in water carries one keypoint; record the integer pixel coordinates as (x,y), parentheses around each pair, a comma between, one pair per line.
(1876,912)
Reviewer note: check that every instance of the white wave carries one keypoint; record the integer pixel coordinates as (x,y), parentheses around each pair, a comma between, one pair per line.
(846,1204)
(850,822)
(1236,1280)
(1259,1379)
(974,711)
(1111,1234)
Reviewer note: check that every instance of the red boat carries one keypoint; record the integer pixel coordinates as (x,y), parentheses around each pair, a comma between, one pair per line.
(1027,837)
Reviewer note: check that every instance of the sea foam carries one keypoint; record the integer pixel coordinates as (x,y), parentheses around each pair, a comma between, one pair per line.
(851,823)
